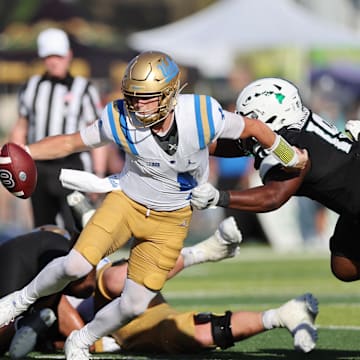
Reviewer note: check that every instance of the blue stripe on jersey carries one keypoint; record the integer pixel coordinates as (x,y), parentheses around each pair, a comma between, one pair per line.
(119,128)
(210,118)
(109,108)
(124,127)
(204,120)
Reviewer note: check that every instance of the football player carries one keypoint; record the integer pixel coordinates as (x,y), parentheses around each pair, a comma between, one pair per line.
(21,258)
(330,177)
(165,137)
(163,329)
(24,256)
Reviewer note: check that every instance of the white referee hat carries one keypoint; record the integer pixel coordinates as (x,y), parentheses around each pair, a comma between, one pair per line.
(53,42)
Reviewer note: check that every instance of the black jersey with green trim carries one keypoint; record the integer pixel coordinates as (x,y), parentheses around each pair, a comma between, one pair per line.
(334,177)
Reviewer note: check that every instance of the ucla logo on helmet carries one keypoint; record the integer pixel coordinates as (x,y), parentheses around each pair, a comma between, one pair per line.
(169,70)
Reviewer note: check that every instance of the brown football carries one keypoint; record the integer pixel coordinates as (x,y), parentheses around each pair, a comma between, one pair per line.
(17,170)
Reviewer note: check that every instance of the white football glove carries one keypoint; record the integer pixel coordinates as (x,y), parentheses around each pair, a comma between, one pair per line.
(204,196)
(352,128)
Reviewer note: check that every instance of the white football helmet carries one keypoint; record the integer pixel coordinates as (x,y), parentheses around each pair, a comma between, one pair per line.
(274,101)
(151,74)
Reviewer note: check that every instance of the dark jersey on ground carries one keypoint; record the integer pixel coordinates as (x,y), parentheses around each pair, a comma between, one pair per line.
(334,176)
(22,257)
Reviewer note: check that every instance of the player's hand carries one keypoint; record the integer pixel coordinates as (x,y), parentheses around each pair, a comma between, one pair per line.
(204,196)
(302,158)
(352,128)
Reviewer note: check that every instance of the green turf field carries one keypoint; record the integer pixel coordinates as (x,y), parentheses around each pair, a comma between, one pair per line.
(260,279)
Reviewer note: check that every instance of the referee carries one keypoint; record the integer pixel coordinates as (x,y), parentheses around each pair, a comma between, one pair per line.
(51,104)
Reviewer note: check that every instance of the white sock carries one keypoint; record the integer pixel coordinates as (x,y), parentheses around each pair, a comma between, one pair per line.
(53,277)
(270,319)
(25,298)
(133,301)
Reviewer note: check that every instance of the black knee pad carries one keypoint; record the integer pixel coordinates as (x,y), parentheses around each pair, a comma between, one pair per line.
(220,328)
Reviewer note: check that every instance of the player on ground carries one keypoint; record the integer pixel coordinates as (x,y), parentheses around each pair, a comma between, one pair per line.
(22,257)
(162,329)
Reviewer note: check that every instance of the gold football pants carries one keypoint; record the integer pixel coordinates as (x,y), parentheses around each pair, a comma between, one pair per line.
(160,329)
(158,237)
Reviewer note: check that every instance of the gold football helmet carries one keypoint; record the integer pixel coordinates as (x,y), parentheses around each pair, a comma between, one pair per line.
(151,74)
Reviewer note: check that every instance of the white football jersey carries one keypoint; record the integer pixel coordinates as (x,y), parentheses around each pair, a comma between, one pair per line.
(152,177)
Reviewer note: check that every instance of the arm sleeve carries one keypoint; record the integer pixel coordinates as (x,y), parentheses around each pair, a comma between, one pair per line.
(233,126)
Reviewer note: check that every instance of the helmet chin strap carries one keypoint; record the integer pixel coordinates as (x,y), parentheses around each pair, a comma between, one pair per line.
(184,85)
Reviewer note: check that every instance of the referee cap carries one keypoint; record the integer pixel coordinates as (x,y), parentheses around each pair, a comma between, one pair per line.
(53,42)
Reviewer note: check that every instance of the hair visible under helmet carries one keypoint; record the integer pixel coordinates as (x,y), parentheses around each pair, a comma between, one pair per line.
(274,101)
(151,74)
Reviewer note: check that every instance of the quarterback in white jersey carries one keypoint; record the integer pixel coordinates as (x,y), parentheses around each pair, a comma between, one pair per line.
(151,176)
(165,137)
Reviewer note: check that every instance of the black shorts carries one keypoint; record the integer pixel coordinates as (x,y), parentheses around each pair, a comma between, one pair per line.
(345,241)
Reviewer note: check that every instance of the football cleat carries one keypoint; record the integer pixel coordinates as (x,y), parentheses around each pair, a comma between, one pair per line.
(75,349)
(106,344)
(298,316)
(222,245)
(225,243)
(29,328)
(10,307)
(228,232)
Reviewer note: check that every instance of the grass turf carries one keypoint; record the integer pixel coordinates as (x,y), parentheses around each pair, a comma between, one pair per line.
(259,279)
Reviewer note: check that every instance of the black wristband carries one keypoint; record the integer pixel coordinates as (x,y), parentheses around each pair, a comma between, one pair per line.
(224,198)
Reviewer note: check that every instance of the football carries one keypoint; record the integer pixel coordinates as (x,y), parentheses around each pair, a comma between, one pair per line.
(17,171)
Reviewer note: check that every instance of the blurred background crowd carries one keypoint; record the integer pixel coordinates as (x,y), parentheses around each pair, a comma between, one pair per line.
(221,46)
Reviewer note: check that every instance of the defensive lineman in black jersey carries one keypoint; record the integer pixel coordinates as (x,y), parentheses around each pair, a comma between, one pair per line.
(333,157)
(332,176)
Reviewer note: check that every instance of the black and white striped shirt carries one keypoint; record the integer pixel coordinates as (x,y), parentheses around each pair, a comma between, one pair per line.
(54,106)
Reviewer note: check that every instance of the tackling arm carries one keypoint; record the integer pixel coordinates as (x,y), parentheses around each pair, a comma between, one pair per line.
(276,191)
(268,197)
